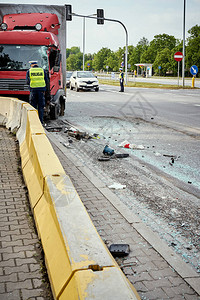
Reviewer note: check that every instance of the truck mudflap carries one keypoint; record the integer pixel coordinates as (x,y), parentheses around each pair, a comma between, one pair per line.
(55,106)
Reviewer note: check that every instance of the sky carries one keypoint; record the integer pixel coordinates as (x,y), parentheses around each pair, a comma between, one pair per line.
(142,18)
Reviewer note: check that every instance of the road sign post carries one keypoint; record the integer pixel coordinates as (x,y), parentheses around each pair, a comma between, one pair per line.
(193,71)
(159,68)
(178,56)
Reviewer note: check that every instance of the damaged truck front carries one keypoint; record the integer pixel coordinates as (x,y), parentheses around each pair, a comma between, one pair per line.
(33,33)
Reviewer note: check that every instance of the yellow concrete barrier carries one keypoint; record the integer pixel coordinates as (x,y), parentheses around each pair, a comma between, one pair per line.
(38,161)
(110,283)
(4,110)
(78,262)
(14,119)
(80,265)
(21,133)
(33,127)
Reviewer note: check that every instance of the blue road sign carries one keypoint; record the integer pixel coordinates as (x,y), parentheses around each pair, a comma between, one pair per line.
(194,70)
(122,64)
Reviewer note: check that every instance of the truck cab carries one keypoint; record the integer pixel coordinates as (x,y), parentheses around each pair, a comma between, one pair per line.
(25,37)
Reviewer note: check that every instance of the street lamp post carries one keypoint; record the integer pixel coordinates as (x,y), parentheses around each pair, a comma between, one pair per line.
(83,43)
(84,39)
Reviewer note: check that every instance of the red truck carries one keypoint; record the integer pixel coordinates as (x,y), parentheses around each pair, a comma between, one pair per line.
(33,33)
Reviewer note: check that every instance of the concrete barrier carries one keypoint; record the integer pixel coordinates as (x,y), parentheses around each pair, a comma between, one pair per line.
(4,110)
(14,119)
(78,262)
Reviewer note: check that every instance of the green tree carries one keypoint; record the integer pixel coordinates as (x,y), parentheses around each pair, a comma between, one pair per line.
(75,61)
(137,52)
(100,58)
(160,42)
(112,62)
(163,59)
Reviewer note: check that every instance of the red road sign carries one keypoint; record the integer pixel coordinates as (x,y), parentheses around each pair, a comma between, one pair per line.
(178,56)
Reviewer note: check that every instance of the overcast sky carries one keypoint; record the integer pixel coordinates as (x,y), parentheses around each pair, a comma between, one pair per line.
(142,18)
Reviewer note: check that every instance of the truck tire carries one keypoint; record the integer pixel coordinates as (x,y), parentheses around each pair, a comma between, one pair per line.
(62,107)
(96,89)
(71,87)
(54,111)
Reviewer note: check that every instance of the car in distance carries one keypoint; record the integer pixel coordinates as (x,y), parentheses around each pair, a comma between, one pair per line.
(68,75)
(83,80)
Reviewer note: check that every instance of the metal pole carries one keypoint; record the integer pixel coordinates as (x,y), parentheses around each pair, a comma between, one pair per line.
(126,58)
(83,43)
(183,61)
(178,71)
(112,20)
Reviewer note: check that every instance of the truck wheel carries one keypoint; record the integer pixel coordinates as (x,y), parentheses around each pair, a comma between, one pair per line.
(77,88)
(54,111)
(97,89)
(71,87)
(62,107)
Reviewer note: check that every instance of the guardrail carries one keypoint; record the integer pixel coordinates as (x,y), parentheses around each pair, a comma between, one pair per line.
(79,264)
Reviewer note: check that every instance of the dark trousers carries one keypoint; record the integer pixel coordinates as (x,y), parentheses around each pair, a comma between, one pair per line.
(37,100)
(122,85)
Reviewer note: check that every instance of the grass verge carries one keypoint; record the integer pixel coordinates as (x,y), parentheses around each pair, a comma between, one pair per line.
(145,85)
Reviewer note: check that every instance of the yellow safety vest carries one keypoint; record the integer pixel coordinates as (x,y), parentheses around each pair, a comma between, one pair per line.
(121,75)
(37,78)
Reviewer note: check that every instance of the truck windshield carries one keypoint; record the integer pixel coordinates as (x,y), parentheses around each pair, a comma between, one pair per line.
(17,57)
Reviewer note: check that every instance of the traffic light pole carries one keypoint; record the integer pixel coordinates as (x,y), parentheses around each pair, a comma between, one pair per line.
(126,32)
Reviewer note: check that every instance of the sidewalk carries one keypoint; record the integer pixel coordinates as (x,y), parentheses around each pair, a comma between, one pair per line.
(147,270)
(21,261)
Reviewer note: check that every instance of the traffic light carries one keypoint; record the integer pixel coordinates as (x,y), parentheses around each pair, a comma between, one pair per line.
(68,12)
(100,16)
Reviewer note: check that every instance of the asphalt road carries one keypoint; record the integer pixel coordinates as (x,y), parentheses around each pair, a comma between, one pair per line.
(165,122)
(180,108)
(165,193)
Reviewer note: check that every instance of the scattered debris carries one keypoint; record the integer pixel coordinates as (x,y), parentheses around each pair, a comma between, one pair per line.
(172,156)
(126,144)
(173,244)
(54,129)
(117,186)
(119,250)
(66,145)
(107,157)
(189,247)
(108,151)
(79,135)
(157,154)
(121,155)
(104,158)
(95,136)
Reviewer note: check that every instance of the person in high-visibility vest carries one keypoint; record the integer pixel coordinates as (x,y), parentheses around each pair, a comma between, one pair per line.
(37,80)
(121,80)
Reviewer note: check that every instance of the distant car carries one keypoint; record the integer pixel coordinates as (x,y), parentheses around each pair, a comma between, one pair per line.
(83,80)
(68,75)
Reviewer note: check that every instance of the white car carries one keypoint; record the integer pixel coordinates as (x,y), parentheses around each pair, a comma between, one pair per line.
(83,80)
